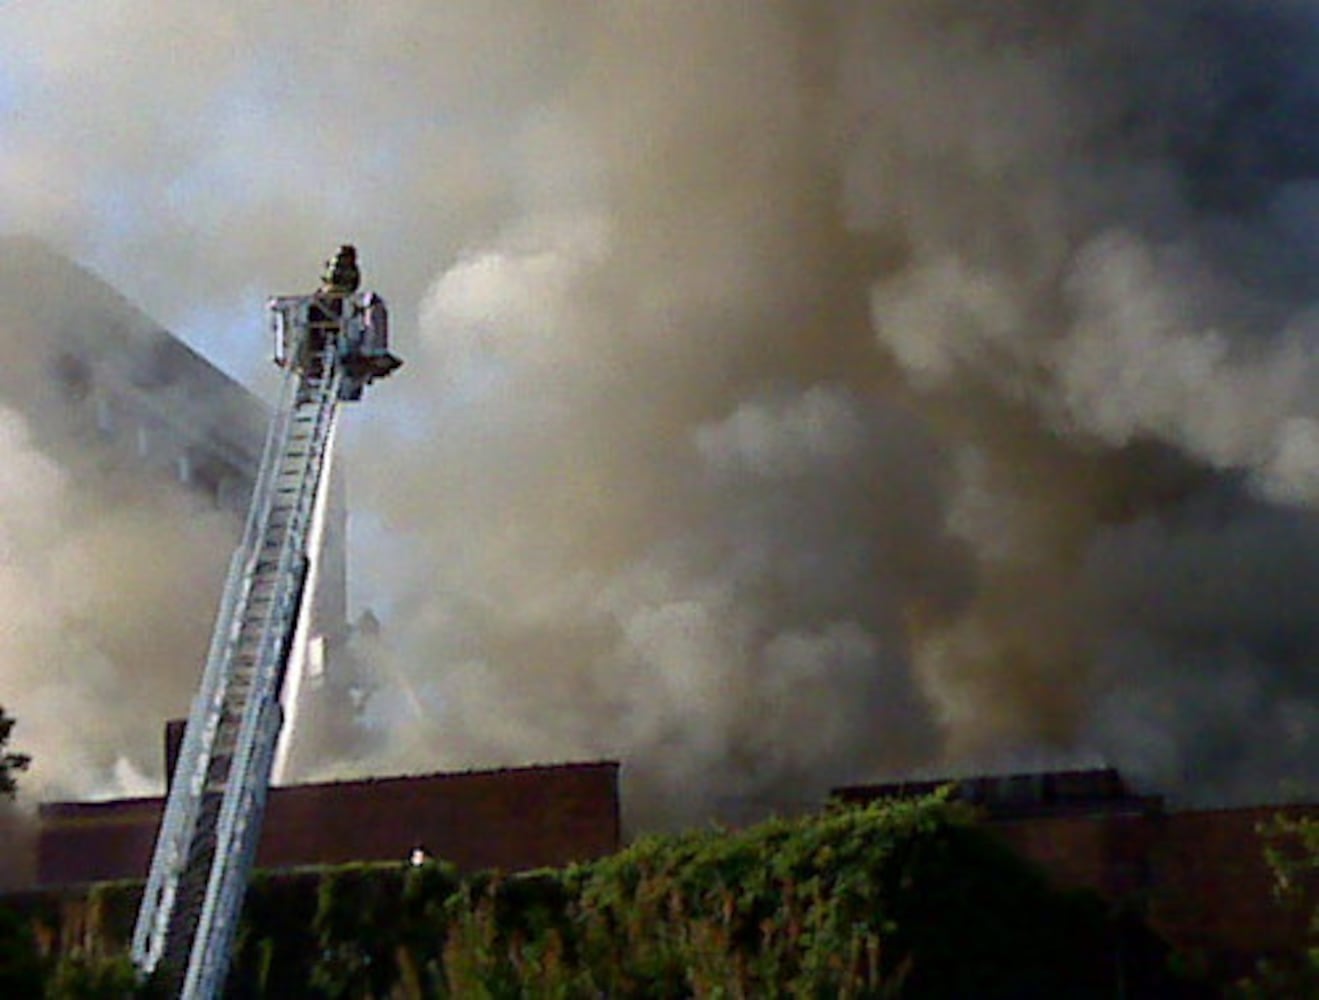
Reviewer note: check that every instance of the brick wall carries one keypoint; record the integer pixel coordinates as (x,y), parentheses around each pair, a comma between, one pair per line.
(1110,853)
(95,841)
(510,819)
(1215,888)
(1199,877)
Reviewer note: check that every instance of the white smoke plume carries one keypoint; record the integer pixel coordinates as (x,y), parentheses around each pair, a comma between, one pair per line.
(797,392)
(109,572)
(108,587)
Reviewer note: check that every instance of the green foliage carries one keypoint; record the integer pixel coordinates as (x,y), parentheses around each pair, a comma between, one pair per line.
(375,923)
(275,948)
(1292,851)
(112,911)
(357,925)
(85,977)
(1291,848)
(10,763)
(102,971)
(22,969)
(900,899)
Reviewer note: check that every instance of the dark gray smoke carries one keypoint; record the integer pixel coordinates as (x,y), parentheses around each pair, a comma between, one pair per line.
(797,392)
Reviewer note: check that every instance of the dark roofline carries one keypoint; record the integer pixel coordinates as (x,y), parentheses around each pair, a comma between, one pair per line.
(1265,808)
(480,772)
(73,810)
(1019,795)
(906,785)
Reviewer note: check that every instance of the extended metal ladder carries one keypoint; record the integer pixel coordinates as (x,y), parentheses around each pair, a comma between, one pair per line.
(212,822)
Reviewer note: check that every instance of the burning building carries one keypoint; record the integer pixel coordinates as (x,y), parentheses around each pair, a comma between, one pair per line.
(134,458)
(114,377)
(1197,878)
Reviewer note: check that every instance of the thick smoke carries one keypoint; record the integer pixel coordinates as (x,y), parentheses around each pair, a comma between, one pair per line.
(108,579)
(798,393)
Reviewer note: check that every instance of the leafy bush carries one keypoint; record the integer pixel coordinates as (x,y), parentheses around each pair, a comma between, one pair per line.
(899,899)
(22,969)
(86,977)
(275,947)
(1291,848)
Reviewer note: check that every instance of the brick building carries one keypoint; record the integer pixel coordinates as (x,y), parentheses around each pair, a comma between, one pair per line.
(1198,877)
(97,380)
(511,819)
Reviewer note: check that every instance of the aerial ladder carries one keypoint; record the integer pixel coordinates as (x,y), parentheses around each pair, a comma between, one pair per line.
(331,344)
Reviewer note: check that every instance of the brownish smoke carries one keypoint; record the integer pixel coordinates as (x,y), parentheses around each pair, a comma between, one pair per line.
(109,573)
(798,392)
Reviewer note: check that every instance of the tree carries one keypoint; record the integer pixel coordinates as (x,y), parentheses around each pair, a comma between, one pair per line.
(21,965)
(10,763)
(1292,852)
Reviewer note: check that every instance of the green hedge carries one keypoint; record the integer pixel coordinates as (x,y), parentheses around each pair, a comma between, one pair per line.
(22,968)
(902,899)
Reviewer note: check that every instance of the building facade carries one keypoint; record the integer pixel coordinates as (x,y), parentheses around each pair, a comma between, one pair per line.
(1199,878)
(511,819)
(101,386)
(96,373)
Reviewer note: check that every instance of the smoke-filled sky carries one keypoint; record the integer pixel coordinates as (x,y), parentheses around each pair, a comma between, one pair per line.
(797,392)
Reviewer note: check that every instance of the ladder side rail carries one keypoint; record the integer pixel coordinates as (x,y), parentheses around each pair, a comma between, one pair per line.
(238,832)
(211,826)
(181,807)
(178,826)
(258,513)
(264,498)
(209,968)
(291,559)
(236,835)
(277,628)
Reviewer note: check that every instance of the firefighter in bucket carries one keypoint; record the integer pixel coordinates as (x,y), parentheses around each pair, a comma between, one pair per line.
(355,325)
